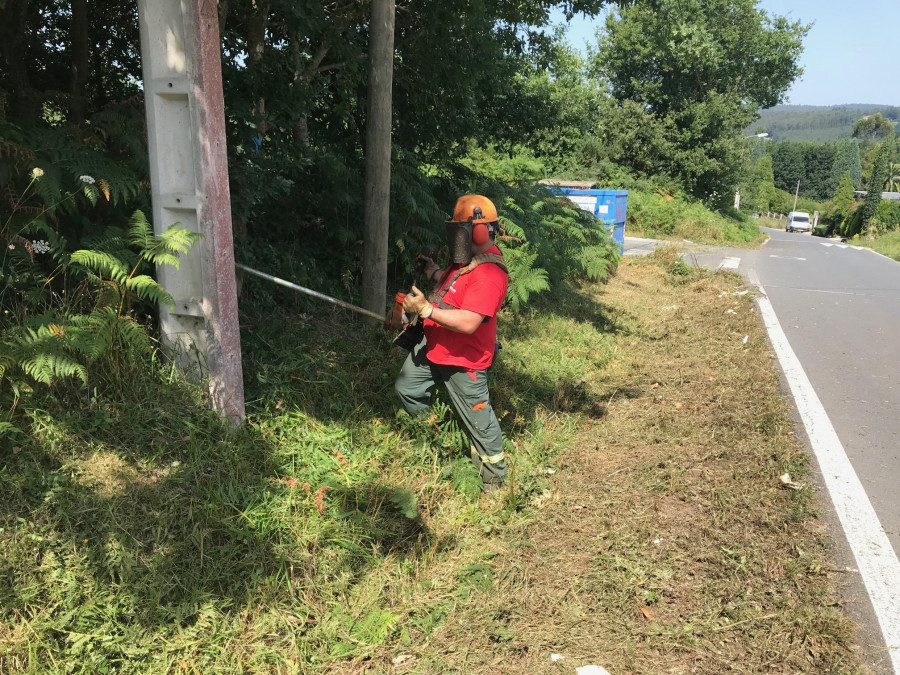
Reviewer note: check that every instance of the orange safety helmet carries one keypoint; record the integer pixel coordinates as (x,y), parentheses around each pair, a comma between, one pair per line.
(480,212)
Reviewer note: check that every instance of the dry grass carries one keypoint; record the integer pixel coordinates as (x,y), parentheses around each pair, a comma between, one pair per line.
(664,543)
(643,528)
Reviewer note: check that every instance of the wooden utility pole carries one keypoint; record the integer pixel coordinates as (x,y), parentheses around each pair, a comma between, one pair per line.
(378,156)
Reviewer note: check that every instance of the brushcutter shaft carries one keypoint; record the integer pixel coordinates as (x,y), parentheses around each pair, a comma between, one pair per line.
(309,291)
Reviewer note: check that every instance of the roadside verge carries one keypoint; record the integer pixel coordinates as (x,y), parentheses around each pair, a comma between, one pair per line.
(667,539)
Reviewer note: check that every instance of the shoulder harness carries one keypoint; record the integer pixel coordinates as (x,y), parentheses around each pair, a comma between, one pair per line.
(438,297)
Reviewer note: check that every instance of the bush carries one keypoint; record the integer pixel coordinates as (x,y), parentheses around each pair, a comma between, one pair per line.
(656,213)
(783,202)
(887,216)
(853,224)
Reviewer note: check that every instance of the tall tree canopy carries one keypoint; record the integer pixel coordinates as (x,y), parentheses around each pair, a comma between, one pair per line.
(695,72)
(873,128)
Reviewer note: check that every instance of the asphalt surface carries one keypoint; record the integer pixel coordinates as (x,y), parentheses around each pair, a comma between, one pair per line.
(839,306)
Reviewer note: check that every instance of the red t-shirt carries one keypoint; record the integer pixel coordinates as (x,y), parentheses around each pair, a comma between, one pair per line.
(482,290)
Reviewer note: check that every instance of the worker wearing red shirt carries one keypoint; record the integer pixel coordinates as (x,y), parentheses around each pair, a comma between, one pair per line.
(460,323)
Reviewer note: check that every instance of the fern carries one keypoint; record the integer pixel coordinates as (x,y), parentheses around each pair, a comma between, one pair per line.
(62,347)
(169,245)
(45,368)
(9,429)
(525,280)
(45,354)
(103,263)
(597,262)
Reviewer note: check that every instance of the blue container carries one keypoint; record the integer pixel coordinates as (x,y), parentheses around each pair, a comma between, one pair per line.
(610,206)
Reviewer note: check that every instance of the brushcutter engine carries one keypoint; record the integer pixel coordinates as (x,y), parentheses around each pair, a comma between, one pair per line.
(410,329)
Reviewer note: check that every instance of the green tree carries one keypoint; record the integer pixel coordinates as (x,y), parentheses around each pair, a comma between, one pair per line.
(760,189)
(843,196)
(818,165)
(789,165)
(699,69)
(561,91)
(877,180)
(873,128)
(892,184)
(846,159)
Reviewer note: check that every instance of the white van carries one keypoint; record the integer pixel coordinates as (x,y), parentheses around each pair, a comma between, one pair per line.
(797,221)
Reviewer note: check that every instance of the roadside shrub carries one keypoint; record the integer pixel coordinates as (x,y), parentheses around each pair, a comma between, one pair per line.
(72,318)
(887,216)
(852,225)
(783,202)
(656,213)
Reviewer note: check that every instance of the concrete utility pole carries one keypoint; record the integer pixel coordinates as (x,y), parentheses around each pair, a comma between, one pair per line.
(796,194)
(378,156)
(181,55)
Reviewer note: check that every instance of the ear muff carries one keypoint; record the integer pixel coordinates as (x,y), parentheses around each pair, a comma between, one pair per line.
(480,234)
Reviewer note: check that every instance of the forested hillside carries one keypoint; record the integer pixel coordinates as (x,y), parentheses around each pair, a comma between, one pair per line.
(816,123)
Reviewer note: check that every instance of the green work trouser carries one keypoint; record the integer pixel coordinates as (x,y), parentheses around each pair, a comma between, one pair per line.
(468,391)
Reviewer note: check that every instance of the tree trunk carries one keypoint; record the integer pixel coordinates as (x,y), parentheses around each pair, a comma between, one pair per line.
(256,49)
(378,156)
(223,15)
(304,73)
(79,41)
(22,103)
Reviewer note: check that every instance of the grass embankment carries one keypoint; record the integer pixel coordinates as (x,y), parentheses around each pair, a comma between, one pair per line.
(643,528)
(887,244)
(663,216)
(774,223)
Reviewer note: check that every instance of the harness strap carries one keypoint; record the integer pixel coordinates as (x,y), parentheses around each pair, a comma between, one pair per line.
(438,297)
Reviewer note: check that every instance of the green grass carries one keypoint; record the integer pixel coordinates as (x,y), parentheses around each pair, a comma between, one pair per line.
(140,535)
(887,244)
(333,534)
(663,216)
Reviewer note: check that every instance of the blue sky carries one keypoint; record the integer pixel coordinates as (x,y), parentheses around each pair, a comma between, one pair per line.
(849,54)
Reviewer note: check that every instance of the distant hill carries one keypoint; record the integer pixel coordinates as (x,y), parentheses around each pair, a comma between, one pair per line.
(816,122)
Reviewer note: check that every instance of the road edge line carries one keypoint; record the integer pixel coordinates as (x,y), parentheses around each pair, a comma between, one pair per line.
(872,250)
(875,558)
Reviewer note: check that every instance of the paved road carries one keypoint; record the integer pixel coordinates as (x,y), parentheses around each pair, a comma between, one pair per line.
(840,309)
(839,306)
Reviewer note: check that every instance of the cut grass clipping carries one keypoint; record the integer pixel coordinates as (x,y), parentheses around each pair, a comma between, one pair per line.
(644,528)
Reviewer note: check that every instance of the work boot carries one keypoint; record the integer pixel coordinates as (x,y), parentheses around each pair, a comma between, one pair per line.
(489,489)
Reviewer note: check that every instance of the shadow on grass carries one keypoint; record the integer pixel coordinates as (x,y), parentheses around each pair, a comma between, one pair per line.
(335,368)
(127,523)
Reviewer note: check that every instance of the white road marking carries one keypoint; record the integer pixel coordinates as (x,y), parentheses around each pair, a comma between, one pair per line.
(877,562)
(729,264)
(816,290)
(786,257)
(825,243)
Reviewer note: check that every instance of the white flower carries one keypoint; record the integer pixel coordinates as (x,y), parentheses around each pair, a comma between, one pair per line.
(12,246)
(40,246)
(37,172)
(87,179)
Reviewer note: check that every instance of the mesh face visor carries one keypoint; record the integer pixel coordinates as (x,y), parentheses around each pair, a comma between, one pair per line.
(459,240)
